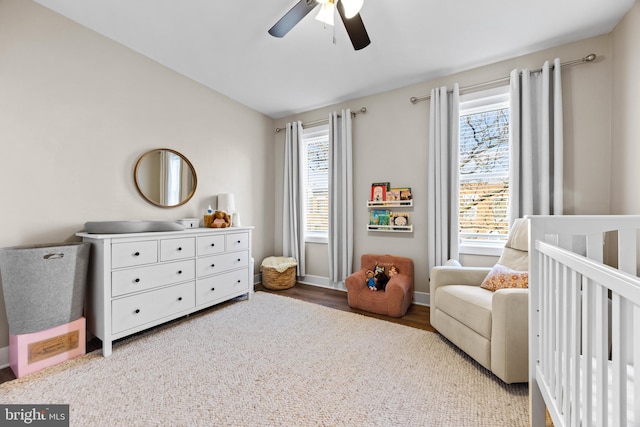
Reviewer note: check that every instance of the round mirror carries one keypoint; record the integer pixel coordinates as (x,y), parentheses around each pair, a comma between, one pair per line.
(165,178)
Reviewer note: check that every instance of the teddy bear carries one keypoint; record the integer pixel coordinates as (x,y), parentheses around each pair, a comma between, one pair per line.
(218,219)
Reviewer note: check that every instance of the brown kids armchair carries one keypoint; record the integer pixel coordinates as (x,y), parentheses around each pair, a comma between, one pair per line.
(395,299)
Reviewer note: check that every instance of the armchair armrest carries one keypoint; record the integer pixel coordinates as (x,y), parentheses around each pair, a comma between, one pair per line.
(510,335)
(356,281)
(399,285)
(454,275)
(399,294)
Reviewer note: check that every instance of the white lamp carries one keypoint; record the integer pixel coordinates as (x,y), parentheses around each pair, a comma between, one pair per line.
(351,7)
(226,203)
(327,9)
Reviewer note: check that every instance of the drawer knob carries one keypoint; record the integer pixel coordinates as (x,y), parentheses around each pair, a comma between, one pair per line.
(137,280)
(239,280)
(213,289)
(180,248)
(136,311)
(238,259)
(179,298)
(213,265)
(136,254)
(179,271)
(213,244)
(238,241)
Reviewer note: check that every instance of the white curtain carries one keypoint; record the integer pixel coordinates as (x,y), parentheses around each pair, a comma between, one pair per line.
(293,197)
(442,175)
(536,142)
(340,196)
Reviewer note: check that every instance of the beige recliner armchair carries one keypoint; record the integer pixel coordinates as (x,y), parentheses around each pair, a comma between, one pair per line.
(490,326)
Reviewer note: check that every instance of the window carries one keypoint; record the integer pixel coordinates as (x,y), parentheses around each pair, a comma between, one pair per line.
(484,171)
(316,183)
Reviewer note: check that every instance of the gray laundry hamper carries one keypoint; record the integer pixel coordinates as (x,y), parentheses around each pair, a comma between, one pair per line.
(43,285)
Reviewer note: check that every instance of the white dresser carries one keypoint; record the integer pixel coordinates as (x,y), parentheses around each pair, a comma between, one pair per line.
(140,280)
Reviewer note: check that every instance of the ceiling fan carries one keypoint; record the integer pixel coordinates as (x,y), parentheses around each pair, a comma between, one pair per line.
(349,11)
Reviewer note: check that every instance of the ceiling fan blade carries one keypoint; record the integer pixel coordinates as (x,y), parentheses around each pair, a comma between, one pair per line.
(355,28)
(291,18)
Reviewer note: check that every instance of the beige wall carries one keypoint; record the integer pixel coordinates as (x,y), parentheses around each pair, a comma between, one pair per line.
(625,129)
(390,144)
(76,111)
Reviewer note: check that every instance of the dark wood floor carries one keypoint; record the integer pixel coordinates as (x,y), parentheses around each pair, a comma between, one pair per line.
(416,317)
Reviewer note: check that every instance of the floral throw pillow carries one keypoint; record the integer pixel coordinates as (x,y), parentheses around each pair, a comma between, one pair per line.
(501,277)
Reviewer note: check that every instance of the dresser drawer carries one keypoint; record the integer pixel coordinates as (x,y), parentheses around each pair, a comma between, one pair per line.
(173,249)
(216,287)
(237,241)
(143,278)
(136,310)
(221,263)
(134,253)
(209,245)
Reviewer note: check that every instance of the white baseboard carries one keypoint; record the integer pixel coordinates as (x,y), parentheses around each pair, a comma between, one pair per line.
(4,357)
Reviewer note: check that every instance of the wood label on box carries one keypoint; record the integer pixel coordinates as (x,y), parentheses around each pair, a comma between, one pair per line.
(53,346)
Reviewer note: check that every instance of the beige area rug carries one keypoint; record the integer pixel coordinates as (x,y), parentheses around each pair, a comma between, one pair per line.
(277,361)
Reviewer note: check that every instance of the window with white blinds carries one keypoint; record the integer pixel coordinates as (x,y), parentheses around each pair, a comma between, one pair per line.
(316,182)
(484,169)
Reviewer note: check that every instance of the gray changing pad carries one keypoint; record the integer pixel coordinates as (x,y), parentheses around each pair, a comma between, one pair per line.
(121,227)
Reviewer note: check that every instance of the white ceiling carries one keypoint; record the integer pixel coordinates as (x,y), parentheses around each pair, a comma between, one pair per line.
(225,45)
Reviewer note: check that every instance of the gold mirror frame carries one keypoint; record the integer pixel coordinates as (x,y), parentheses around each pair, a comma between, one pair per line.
(164,182)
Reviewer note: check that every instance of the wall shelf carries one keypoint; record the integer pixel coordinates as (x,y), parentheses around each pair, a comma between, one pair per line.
(388,206)
(391,204)
(391,228)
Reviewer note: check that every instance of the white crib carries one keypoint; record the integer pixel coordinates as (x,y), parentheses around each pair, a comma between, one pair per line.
(584,320)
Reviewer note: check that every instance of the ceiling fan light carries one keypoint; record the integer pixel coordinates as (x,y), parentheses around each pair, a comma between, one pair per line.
(326,13)
(351,7)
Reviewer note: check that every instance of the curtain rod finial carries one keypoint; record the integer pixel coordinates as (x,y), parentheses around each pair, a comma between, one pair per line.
(413,99)
(590,57)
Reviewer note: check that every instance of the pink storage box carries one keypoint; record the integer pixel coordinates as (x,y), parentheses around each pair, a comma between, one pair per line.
(32,352)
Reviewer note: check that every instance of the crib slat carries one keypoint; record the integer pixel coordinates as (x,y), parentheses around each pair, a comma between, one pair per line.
(557,332)
(564,340)
(574,351)
(587,353)
(595,249)
(636,364)
(547,310)
(627,258)
(601,354)
(619,365)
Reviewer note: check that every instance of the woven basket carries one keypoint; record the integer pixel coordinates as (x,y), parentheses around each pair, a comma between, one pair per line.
(272,279)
